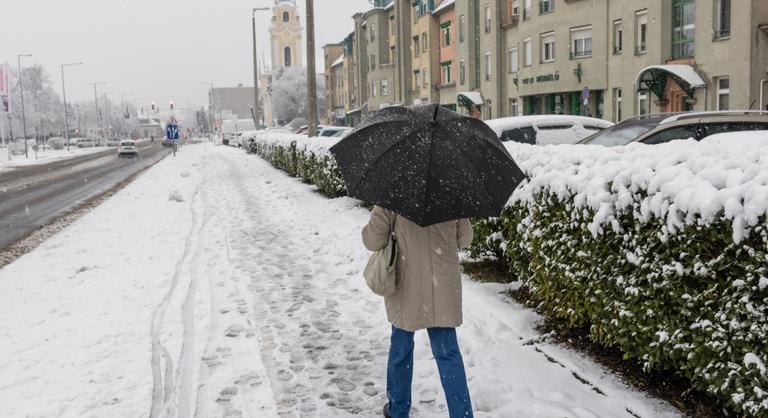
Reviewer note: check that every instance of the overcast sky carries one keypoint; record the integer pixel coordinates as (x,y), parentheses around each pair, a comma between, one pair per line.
(157,50)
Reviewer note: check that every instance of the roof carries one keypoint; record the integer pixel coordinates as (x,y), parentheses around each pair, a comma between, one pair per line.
(684,72)
(443,6)
(473,96)
(502,124)
(338,61)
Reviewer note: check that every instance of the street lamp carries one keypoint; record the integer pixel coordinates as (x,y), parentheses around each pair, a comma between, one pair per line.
(108,123)
(96,102)
(256,108)
(23,115)
(64,94)
(125,108)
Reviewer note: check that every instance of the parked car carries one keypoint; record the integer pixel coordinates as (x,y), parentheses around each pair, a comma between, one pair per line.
(56,142)
(665,127)
(546,129)
(85,143)
(330,131)
(743,138)
(74,141)
(113,142)
(127,147)
(342,133)
(17,148)
(280,130)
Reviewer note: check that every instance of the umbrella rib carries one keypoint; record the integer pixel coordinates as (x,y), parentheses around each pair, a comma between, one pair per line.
(373,163)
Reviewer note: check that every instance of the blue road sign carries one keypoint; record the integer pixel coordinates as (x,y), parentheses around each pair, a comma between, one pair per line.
(172,131)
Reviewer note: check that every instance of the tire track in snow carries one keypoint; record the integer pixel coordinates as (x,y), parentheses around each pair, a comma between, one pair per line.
(163,389)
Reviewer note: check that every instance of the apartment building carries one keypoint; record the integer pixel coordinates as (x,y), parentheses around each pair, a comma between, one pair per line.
(446,21)
(333,59)
(608,59)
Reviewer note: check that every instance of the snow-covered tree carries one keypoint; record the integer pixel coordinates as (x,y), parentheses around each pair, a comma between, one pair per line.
(289,94)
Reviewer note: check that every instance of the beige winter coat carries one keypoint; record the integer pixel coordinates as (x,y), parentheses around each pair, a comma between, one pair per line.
(428,273)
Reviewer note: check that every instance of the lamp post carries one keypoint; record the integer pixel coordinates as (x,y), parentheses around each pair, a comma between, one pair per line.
(96,102)
(256,107)
(108,123)
(23,114)
(64,94)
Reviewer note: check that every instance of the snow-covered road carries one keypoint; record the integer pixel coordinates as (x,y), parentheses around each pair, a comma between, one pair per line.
(245,300)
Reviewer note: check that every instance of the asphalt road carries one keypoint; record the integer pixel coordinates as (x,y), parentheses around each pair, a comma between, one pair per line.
(33,196)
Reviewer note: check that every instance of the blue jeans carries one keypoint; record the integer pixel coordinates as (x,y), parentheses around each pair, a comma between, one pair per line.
(445,348)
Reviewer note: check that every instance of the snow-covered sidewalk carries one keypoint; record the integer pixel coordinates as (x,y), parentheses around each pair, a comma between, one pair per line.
(245,299)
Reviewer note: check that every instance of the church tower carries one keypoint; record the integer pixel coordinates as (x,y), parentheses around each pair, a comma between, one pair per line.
(285,34)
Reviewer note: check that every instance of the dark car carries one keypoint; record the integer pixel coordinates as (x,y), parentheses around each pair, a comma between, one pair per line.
(661,128)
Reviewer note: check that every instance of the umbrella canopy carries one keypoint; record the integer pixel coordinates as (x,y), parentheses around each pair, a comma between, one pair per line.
(428,164)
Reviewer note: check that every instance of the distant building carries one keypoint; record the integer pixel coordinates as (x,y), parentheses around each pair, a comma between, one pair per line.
(237,100)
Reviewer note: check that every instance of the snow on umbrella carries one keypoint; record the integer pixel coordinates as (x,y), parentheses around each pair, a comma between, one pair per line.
(428,164)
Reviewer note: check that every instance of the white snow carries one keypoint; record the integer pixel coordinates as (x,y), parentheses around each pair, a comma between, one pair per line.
(42,157)
(745,138)
(444,5)
(751,359)
(248,298)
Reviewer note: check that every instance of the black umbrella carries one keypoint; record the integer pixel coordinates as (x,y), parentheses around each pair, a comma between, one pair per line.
(428,164)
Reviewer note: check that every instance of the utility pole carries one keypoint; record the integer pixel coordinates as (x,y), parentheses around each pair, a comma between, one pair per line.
(311,82)
(96,105)
(256,107)
(23,115)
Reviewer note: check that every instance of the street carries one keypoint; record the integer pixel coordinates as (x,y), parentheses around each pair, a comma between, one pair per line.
(33,196)
(245,300)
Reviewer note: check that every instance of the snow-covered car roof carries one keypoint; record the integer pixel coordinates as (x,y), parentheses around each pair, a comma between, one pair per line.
(742,138)
(502,124)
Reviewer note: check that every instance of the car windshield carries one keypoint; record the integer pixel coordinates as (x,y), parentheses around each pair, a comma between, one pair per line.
(622,133)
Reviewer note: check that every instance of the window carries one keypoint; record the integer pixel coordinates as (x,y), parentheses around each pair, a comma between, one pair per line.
(462,72)
(618,37)
(641,24)
(642,103)
(617,105)
(527,52)
(487,18)
(373,32)
(461,28)
(417,79)
(722,127)
(548,47)
(515,7)
(446,34)
(488,65)
(671,134)
(722,19)
(424,42)
(385,87)
(581,42)
(513,60)
(488,110)
(445,76)
(546,6)
(287,56)
(373,89)
(527,10)
(392,29)
(373,61)
(514,107)
(286,17)
(683,28)
(723,93)
(416,47)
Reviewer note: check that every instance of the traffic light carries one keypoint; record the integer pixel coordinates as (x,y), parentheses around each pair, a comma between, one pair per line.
(171,104)
(153,105)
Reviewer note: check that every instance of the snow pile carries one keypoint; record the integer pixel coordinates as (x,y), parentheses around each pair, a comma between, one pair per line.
(175,196)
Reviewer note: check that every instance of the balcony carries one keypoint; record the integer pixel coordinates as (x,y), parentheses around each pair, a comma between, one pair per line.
(509,20)
(581,54)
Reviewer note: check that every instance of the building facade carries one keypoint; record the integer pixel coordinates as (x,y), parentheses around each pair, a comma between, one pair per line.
(610,59)
(285,35)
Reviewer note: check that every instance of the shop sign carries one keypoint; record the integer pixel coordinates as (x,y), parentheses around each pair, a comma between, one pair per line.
(543,78)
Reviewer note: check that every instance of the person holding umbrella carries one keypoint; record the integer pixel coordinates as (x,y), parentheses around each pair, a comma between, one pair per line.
(426,170)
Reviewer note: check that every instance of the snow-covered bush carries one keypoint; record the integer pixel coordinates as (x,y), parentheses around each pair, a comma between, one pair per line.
(662,250)
(305,158)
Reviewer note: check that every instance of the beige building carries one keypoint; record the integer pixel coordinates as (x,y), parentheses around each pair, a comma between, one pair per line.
(285,33)
(333,59)
(379,69)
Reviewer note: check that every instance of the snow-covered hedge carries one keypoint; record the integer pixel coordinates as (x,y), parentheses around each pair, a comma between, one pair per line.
(302,157)
(662,249)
